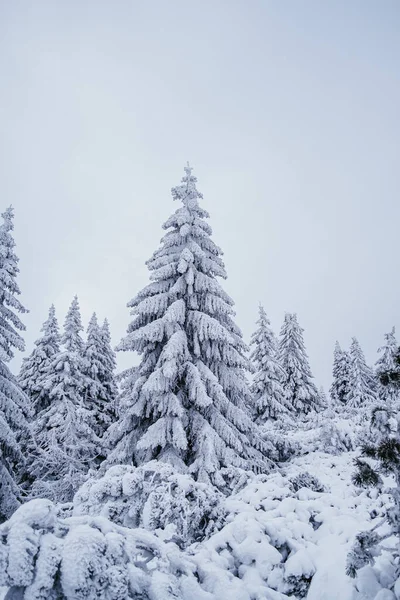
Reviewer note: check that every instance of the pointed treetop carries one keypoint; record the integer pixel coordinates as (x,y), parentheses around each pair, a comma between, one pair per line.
(105,328)
(73,327)
(261,311)
(187,190)
(50,326)
(8,216)
(93,320)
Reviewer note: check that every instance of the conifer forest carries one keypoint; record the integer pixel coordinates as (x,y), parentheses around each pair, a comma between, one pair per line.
(185,456)
(210,467)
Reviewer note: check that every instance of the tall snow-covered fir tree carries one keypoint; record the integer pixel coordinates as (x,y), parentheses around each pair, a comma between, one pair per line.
(14,404)
(387,363)
(188,404)
(35,368)
(110,365)
(66,444)
(270,401)
(339,389)
(361,384)
(301,391)
(98,366)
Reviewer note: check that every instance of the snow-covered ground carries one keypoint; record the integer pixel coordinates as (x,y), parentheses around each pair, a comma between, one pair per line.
(277,540)
(316,529)
(342,511)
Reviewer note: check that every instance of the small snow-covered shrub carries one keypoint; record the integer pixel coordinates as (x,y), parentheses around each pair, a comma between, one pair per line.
(306,480)
(278,433)
(153,496)
(87,558)
(362,552)
(337,436)
(235,479)
(285,448)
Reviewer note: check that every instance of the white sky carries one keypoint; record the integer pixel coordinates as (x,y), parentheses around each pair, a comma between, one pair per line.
(289,112)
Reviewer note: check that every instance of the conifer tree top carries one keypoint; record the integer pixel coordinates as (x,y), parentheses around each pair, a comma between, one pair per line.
(72,328)
(9,290)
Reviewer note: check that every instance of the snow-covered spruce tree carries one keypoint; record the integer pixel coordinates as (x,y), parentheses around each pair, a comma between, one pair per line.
(14,404)
(126,381)
(301,391)
(66,444)
(387,363)
(99,387)
(110,364)
(361,391)
(35,368)
(341,376)
(270,401)
(188,405)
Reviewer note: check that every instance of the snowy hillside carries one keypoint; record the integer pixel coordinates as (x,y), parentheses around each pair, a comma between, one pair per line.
(276,540)
(207,470)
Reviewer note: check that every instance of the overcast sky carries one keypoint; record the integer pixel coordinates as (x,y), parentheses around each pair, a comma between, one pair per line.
(289,113)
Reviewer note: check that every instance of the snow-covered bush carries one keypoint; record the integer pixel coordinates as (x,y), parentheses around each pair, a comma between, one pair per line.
(285,447)
(306,480)
(274,544)
(87,558)
(383,423)
(261,552)
(374,559)
(153,496)
(337,436)
(237,479)
(280,435)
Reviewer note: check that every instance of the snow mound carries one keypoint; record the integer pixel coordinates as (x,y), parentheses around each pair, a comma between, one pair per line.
(153,496)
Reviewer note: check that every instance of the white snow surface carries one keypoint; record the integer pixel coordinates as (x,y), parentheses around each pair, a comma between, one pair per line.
(273,543)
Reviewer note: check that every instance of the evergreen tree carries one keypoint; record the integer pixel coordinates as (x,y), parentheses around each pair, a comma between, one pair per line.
(340,387)
(323,400)
(98,366)
(387,363)
(361,392)
(188,404)
(299,386)
(110,365)
(67,445)
(270,400)
(35,368)
(381,458)
(14,404)
(126,381)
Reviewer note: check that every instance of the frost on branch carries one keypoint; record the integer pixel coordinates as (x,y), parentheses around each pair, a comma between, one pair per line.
(153,496)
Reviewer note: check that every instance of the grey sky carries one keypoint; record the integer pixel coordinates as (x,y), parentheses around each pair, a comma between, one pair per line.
(289,113)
